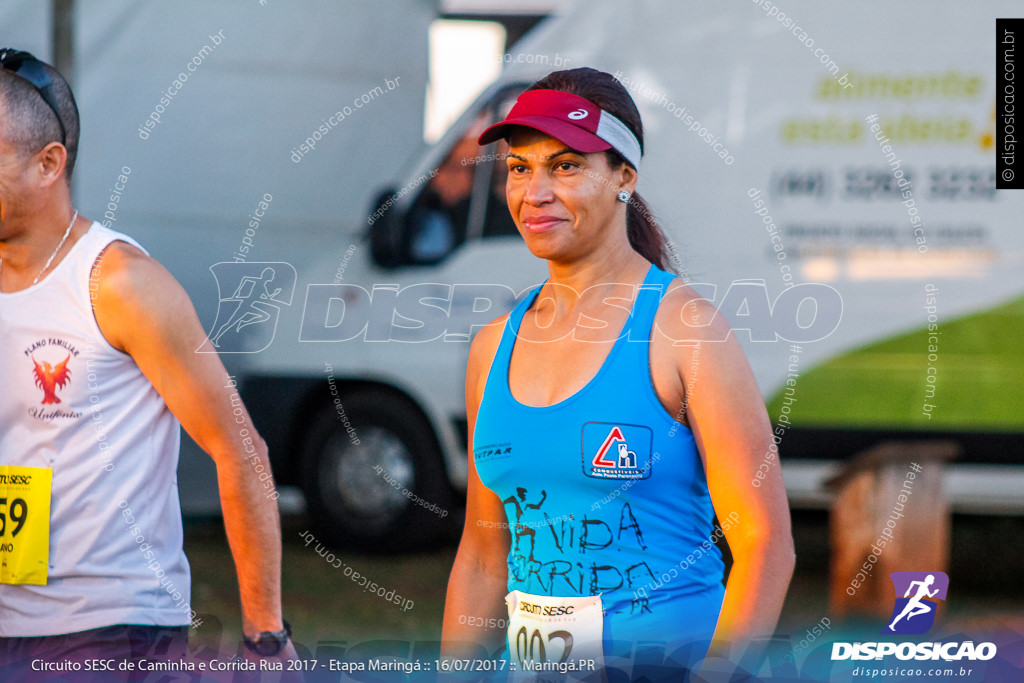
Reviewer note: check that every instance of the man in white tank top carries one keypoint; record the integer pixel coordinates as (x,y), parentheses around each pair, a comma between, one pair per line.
(98,366)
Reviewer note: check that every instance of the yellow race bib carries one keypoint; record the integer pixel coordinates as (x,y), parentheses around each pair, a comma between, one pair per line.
(24,524)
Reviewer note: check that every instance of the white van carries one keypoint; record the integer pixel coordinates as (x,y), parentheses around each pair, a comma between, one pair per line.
(785,146)
(228,133)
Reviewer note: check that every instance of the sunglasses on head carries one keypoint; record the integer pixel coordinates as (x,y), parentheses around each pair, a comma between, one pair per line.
(31,69)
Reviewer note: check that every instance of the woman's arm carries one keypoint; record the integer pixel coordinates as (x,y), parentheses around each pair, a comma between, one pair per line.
(474,612)
(727,415)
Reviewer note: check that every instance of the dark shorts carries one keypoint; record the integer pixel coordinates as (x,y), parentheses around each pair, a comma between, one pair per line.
(84,656)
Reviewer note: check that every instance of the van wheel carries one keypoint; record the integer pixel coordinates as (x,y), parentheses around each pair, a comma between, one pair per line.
(362,480)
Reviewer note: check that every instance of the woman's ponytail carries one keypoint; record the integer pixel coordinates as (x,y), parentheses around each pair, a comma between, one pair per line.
(645,235)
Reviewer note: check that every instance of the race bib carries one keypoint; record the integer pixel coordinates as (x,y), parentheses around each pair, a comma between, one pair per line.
(555,634)
(24,524)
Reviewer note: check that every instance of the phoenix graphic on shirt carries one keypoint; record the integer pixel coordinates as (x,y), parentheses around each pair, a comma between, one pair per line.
(50,378)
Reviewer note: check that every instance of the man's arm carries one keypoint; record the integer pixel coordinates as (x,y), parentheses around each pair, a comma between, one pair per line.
(142,310)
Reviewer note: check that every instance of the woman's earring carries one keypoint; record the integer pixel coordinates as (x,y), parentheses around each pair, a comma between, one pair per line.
(623,196)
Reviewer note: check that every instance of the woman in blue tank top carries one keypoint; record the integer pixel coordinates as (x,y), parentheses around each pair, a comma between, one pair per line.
(611,418)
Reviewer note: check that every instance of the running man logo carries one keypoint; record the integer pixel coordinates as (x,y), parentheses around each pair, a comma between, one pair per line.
(915,612)
(247,317)
(616,451)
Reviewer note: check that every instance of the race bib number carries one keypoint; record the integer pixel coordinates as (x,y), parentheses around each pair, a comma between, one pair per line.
(555,634)
(24,524)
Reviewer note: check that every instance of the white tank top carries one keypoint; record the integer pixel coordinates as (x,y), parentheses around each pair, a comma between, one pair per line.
(115,551)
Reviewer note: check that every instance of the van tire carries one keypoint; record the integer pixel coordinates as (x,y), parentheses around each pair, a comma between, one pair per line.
(352,503)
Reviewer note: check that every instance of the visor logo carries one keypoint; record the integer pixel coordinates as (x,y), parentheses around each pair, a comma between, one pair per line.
(579,114)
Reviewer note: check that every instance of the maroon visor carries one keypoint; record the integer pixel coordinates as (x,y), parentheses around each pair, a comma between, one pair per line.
(576,121)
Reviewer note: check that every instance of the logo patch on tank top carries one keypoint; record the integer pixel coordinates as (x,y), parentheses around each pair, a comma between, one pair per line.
(49,369)
(494,451)
(616,451)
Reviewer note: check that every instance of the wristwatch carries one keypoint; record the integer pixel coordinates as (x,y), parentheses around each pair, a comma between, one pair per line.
(269,643)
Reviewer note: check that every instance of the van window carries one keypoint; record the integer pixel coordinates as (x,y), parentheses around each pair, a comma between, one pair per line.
(438,218)
(498,221)
(464,199)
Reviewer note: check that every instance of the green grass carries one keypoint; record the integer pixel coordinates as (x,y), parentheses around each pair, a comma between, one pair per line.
(979,370)
(328,609)
(321,603)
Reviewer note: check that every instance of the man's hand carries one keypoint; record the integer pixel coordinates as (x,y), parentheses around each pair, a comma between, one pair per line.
(279,668)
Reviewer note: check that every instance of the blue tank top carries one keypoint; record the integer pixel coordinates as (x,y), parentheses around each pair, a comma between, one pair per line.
(604,492)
